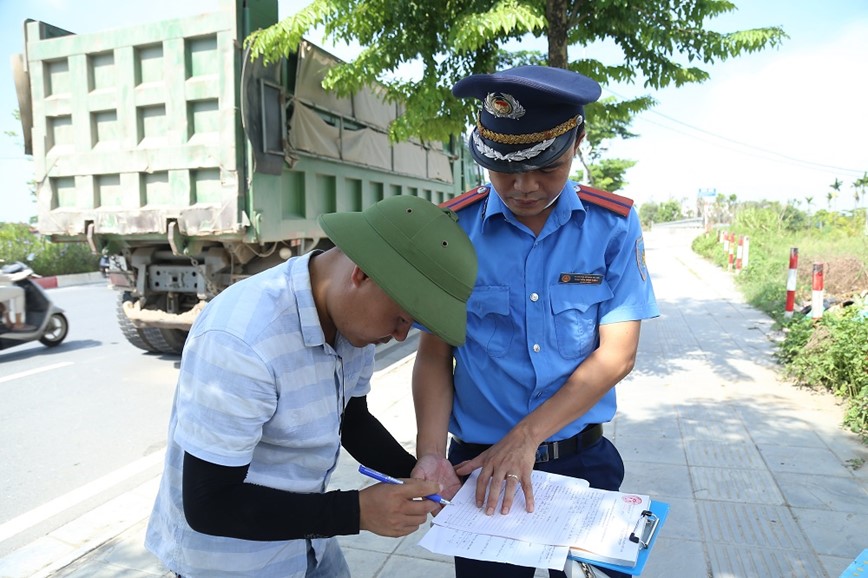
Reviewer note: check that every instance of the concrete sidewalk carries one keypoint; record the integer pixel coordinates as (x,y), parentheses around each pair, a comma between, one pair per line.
(760,477)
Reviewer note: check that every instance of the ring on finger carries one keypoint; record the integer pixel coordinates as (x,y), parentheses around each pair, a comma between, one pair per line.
(513,476)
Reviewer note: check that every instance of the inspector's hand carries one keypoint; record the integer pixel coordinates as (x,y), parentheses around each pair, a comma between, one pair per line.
(438,469)
(392,510)
(509,461)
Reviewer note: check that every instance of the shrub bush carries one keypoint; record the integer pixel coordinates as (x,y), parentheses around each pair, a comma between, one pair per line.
(19,242)
(831,353)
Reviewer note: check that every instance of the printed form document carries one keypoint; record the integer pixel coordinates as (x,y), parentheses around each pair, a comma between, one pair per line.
(568,514)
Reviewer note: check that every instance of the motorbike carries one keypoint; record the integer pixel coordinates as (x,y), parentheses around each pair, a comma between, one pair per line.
(45,321)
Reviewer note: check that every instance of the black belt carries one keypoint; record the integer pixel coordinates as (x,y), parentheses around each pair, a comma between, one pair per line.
(548,451)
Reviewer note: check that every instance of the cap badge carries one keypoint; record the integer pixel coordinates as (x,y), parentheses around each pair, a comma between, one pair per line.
(503,106)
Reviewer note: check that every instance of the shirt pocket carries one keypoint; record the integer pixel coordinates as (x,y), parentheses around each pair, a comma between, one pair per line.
(489,323)
(575,309)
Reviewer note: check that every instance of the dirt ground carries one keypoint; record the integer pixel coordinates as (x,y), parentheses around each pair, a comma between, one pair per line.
(843,277)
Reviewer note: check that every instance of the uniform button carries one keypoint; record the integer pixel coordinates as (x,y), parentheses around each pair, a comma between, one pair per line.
(534,297)
(536,347)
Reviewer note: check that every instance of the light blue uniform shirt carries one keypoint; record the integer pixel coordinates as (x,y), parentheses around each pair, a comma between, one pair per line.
(533,315)
(257,385)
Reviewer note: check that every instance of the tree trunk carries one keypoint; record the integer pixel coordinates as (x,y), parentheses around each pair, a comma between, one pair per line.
(558,20)
(556,15)
(589,178)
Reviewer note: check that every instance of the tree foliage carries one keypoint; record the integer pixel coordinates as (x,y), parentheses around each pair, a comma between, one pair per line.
(662,43)
(20,242)
(651,212)
(609,119)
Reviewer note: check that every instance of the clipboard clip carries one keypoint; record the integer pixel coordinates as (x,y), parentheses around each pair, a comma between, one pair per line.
(644,530)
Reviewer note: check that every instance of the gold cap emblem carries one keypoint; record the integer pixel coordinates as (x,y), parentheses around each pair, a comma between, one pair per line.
(503,106)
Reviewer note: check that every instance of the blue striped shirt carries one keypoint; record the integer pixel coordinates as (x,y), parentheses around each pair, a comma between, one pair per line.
(257,386)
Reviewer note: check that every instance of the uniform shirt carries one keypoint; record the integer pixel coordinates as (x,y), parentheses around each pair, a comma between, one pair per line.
(534,313)
(259,385)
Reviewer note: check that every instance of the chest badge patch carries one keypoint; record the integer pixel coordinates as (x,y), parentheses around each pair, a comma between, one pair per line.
(640,258)
(580,279)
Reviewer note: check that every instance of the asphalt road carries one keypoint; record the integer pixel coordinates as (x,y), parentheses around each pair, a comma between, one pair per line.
(86,421)
(79,423)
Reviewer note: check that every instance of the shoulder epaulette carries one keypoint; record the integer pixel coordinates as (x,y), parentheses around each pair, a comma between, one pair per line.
(607,200)
(466,199)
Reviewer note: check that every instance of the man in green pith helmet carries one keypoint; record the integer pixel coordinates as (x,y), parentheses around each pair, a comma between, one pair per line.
(273,382)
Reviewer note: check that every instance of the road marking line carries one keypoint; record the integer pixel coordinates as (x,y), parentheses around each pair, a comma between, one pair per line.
(29,372)
(75,497)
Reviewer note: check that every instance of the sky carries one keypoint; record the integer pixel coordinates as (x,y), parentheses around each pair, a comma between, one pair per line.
(782,124)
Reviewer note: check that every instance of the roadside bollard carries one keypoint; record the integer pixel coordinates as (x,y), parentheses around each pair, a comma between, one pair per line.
(726,242)
(739,253)
(731,250)
(791,282)
(817,291)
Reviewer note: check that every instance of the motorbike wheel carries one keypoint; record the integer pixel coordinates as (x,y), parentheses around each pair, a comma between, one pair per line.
(55,331)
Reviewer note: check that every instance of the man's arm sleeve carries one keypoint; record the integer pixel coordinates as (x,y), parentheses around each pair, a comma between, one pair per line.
(219,503)
(371,444)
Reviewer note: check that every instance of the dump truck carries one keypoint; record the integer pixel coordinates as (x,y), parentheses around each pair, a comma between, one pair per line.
(191,166)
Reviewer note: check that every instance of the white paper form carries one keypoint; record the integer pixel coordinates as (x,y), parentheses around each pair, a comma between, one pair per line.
(605,532)
(568,513)
(450,542)
(556,499)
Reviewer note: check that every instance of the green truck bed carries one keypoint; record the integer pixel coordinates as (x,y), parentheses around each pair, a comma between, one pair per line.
(165,146)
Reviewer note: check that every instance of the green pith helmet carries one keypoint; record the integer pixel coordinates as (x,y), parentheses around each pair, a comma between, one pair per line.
(417,253)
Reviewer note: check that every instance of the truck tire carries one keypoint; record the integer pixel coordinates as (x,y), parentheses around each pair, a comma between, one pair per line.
(155,337)
(130,331)
(150,339)
(175,339)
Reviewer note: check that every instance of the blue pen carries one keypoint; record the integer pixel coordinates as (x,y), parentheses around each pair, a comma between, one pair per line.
(390,480)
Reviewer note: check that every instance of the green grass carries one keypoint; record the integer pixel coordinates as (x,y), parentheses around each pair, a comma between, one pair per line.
(830,353)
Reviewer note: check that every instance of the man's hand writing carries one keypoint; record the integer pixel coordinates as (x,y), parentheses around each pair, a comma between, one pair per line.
(394,510)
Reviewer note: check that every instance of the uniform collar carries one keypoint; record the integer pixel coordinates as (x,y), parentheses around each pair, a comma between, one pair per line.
(568,202)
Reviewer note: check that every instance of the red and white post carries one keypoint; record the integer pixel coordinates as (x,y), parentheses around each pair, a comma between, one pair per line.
(817,291)
(791,282)
(731,250)
(739,253)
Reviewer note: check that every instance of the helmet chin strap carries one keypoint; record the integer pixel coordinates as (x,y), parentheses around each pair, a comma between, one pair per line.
(552,202)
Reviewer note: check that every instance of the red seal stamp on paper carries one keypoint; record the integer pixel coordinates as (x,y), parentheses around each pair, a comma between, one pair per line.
(630,499)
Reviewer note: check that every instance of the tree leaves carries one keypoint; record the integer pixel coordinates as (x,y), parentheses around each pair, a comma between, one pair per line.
(506,19)
(661,43)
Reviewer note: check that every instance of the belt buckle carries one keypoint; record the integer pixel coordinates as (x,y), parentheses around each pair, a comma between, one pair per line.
(542,453)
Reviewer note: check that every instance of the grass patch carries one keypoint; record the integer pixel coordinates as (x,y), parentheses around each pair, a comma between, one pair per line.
(829,353)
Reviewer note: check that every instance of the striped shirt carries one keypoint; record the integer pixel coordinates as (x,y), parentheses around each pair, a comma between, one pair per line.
(258,385)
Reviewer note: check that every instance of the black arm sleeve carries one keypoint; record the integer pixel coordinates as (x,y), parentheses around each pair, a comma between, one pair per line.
(218,502)
(371,444)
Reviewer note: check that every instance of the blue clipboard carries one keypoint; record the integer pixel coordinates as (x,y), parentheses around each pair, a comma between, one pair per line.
(859,566)
(646,537)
